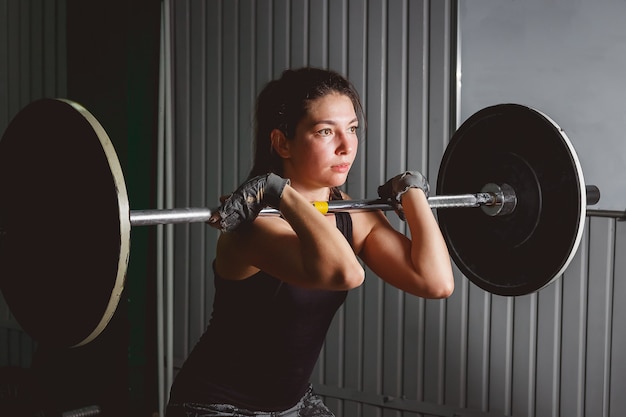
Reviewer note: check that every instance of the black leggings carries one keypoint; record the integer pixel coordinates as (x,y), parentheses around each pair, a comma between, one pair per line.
(310,405)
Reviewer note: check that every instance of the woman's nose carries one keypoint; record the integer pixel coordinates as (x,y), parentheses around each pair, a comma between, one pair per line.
(345,145)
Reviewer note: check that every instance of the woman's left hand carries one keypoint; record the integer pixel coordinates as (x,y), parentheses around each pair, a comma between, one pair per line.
(393,189)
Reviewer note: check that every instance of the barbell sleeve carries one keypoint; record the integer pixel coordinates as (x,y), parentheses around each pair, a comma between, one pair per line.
(593,194)
(169,216)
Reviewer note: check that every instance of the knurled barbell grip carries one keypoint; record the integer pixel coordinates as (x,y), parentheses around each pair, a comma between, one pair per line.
(435,202)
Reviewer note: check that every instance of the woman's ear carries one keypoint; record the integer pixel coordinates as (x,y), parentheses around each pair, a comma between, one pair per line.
(280,144)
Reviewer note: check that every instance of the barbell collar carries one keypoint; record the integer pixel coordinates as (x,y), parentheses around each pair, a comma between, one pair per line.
(505,199)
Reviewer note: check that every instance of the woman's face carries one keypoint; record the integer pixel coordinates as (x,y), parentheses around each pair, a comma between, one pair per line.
(325,144)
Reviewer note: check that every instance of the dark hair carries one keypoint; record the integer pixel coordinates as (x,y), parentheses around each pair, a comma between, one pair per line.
(284,102)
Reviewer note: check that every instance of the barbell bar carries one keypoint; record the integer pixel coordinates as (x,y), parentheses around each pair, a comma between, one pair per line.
(496,202)
(199,214)
(55,158)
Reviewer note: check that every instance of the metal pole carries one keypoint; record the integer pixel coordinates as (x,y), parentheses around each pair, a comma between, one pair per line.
(169,216)
(198,215)
(497,197)
(615,214)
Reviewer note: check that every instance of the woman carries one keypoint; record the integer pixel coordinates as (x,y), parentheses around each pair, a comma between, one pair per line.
(280,279)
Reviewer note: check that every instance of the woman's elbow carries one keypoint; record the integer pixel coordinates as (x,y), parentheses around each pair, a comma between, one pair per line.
(348,279)
(443,289)
(441,286)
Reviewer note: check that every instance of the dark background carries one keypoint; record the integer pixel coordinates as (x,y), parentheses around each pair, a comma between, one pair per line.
(112,62)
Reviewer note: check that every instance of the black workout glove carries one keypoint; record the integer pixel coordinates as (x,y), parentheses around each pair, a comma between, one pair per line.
(245,204)
(392,190)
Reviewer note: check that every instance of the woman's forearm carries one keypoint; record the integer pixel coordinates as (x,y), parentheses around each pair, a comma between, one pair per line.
(326,254)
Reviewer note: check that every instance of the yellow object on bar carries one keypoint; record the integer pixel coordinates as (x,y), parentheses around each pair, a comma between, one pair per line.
(321,206)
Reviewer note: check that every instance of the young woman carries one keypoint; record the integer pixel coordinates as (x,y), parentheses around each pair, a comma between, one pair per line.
(280,279)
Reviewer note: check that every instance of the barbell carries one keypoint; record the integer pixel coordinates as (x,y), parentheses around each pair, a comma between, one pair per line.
(65,219)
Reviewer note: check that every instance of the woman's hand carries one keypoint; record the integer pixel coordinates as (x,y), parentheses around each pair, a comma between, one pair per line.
(393,189)
(245,204)
(302,247)
(418,262)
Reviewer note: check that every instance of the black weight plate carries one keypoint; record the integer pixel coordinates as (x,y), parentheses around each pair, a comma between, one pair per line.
(65,224)
(518,253)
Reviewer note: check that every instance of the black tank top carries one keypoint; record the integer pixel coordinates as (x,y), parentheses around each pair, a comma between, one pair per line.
(262,342)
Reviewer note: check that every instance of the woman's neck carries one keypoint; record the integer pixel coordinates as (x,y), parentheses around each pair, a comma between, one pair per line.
(312,194)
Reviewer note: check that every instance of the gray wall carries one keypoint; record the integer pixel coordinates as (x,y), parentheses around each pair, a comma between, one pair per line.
(563,57)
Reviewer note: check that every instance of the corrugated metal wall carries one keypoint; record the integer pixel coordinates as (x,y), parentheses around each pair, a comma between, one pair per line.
(32,66)
(559,352)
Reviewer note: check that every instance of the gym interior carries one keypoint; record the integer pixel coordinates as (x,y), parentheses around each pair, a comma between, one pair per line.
(173,83)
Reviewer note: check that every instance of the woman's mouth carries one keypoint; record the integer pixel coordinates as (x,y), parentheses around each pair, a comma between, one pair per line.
(342,168)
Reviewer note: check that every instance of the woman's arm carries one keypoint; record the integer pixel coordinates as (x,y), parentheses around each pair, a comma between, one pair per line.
(419,265)
(303,247)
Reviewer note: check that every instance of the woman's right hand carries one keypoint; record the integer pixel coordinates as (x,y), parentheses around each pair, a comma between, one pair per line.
(247,201)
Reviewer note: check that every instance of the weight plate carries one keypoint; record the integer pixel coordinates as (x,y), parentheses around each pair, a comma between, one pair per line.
(64,223)
(518,253)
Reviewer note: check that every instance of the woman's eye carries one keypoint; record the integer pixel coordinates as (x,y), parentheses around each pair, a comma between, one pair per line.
(353,129)
(324,132)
